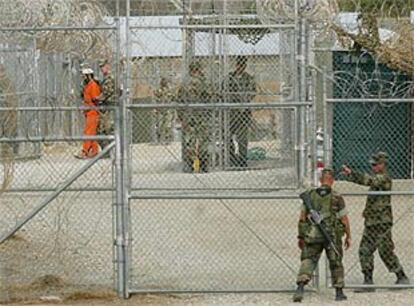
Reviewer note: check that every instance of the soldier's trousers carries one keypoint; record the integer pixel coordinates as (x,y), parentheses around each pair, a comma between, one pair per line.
(164,126)
(309,259)
(241,131)
(195,145)
(379,237)
(105,127)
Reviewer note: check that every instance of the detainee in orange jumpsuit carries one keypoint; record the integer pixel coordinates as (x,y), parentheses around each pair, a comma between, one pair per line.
(90,91)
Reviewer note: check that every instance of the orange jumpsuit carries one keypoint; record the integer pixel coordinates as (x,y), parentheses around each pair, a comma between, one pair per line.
(90,91)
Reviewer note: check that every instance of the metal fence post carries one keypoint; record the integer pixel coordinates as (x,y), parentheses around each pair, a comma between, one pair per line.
(121,178)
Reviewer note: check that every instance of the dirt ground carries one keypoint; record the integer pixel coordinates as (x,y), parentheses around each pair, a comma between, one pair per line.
(379,298)
(182,245)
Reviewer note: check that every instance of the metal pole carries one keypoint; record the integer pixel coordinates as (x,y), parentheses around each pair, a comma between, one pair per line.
(37,139)
(325,149)
(121,242)
(56,28)
(225,136)
(290,105)
(301,61)
(297,92)
(325,118)
(385,100)
(313,130)
(212,26)
(125,154)
(54,195)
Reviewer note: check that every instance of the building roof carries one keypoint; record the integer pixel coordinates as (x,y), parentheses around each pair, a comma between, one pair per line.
(151,42)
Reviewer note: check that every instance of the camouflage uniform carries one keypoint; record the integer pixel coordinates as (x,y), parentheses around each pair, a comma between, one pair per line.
(195,122)
(241,89)
(378,220)
(331,207)
(164,117)
(106,98)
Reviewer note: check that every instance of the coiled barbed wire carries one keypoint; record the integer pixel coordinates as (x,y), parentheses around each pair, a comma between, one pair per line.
(24,15)
(17,19)
(8,127)
(312,10)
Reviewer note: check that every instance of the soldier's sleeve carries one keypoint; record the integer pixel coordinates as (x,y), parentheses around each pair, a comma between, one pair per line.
(360,178)
(250,88)
(108,88)
(381,182)
(338,204)
(180,100)
(303,206)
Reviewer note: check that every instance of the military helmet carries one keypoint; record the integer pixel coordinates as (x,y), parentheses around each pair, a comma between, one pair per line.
(103,62)
(327,170)
(378,158)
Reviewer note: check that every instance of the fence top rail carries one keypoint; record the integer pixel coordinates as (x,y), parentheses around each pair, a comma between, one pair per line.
(137,196)
(30,138)
(57,28)
(362,100)
(222,105)
(248,196)
(207,27)
(367,193)
(55,108)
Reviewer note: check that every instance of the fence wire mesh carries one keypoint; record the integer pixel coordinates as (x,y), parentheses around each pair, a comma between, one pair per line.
(66,248)
(63,251)
(213,93)
(370,112)
(213,245)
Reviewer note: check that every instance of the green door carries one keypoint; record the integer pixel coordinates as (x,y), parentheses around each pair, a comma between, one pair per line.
(360,129)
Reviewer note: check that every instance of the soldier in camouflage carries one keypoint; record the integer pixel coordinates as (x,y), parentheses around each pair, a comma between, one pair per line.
(331,207)
(164,117)
(378,221)
(106,98)
(195,122)
(241,88)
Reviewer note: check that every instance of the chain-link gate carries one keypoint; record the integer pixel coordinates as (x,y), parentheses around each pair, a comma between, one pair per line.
(57,212)
(216,127)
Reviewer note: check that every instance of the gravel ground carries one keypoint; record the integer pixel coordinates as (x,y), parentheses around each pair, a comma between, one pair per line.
(380,298)
(179,244)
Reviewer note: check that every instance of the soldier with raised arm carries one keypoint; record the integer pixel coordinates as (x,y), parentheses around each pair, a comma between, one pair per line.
(378,221)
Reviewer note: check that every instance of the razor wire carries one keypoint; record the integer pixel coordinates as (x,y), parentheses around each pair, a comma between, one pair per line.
(24,15)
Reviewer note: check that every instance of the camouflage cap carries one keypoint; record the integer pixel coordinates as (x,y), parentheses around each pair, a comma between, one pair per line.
(379,158)
(195,65)
(327,170)
(103,62)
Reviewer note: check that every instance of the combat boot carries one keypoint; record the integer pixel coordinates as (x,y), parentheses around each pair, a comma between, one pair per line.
(367,281)
(340,296)
(402,278)
(298,296)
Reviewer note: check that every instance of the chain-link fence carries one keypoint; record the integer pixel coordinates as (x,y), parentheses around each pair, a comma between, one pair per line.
(57,212)
(214,116)
(214,137)
(368,109)
(197,244)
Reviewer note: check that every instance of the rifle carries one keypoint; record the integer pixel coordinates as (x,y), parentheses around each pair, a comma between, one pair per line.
(317,219)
